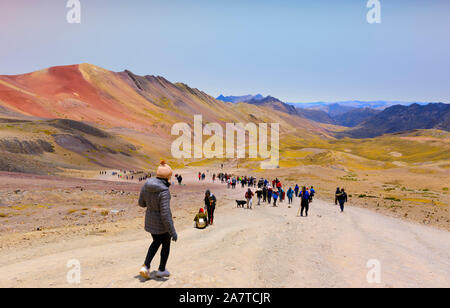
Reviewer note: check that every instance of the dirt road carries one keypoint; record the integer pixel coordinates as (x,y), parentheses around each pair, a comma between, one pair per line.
(263,247)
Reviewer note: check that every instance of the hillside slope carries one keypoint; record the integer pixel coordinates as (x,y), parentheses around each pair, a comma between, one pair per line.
(136,110)
(92,94)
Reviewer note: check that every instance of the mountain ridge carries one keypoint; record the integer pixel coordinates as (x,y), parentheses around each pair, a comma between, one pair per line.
(400,118)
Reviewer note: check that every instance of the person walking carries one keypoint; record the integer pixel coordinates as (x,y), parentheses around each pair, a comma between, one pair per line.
(275,195)
(312,192)
(290,195)
(259,194)
(155,197)
(210,204)
(279,185)
(297,190)
(264,194)
(304,205)
(269,194)
(338,191)
(342,198)
(249,197)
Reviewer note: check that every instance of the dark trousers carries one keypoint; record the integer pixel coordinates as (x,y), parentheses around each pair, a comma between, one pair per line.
(158,240)
(211,209)
(269,198)
(305,206)
(290,200)
(341,204)
(296,194)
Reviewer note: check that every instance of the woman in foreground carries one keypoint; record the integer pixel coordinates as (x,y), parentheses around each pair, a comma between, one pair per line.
(155,196)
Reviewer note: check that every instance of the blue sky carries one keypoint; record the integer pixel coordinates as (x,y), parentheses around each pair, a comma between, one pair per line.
(321,50)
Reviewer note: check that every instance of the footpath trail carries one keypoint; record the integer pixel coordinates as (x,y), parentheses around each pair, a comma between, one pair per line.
(263,247)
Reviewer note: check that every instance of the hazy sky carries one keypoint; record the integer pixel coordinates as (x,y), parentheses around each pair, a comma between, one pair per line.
(318,50)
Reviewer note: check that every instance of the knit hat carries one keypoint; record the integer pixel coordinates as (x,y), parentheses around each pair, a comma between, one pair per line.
(201,210)
(164,171)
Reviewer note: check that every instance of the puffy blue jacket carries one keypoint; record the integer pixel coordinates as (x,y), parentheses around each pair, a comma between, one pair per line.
(304,195)
(290,193)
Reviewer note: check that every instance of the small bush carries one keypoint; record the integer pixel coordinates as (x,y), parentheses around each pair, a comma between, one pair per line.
(105,213)
(392,199)
(366,196)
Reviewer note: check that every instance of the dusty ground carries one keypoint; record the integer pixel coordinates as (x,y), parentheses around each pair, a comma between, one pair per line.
(401,193)
(266,247)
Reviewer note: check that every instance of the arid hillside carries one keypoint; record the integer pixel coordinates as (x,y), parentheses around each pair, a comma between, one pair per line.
(133,113)
(92,94)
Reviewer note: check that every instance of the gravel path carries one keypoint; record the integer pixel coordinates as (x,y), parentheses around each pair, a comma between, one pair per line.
(263,247)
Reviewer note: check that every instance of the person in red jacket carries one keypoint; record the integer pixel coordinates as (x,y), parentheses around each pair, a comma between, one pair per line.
(279,185)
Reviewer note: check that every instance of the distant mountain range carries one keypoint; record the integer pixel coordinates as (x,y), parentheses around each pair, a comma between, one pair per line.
(240,99)
(366,119)
(348,117)
(403,118)
(328,113)
(355,104)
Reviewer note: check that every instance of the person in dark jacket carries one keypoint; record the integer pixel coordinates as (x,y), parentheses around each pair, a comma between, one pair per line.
(155,197)
(338,191)
(342,198)
(259,194)
(210,203)
(304,205)
(297,190)
(269,194)
(312,192)
(264,193)
(249,197)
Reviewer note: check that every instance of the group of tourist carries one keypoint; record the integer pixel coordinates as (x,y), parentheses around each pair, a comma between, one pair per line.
(155,197)
(128,175)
